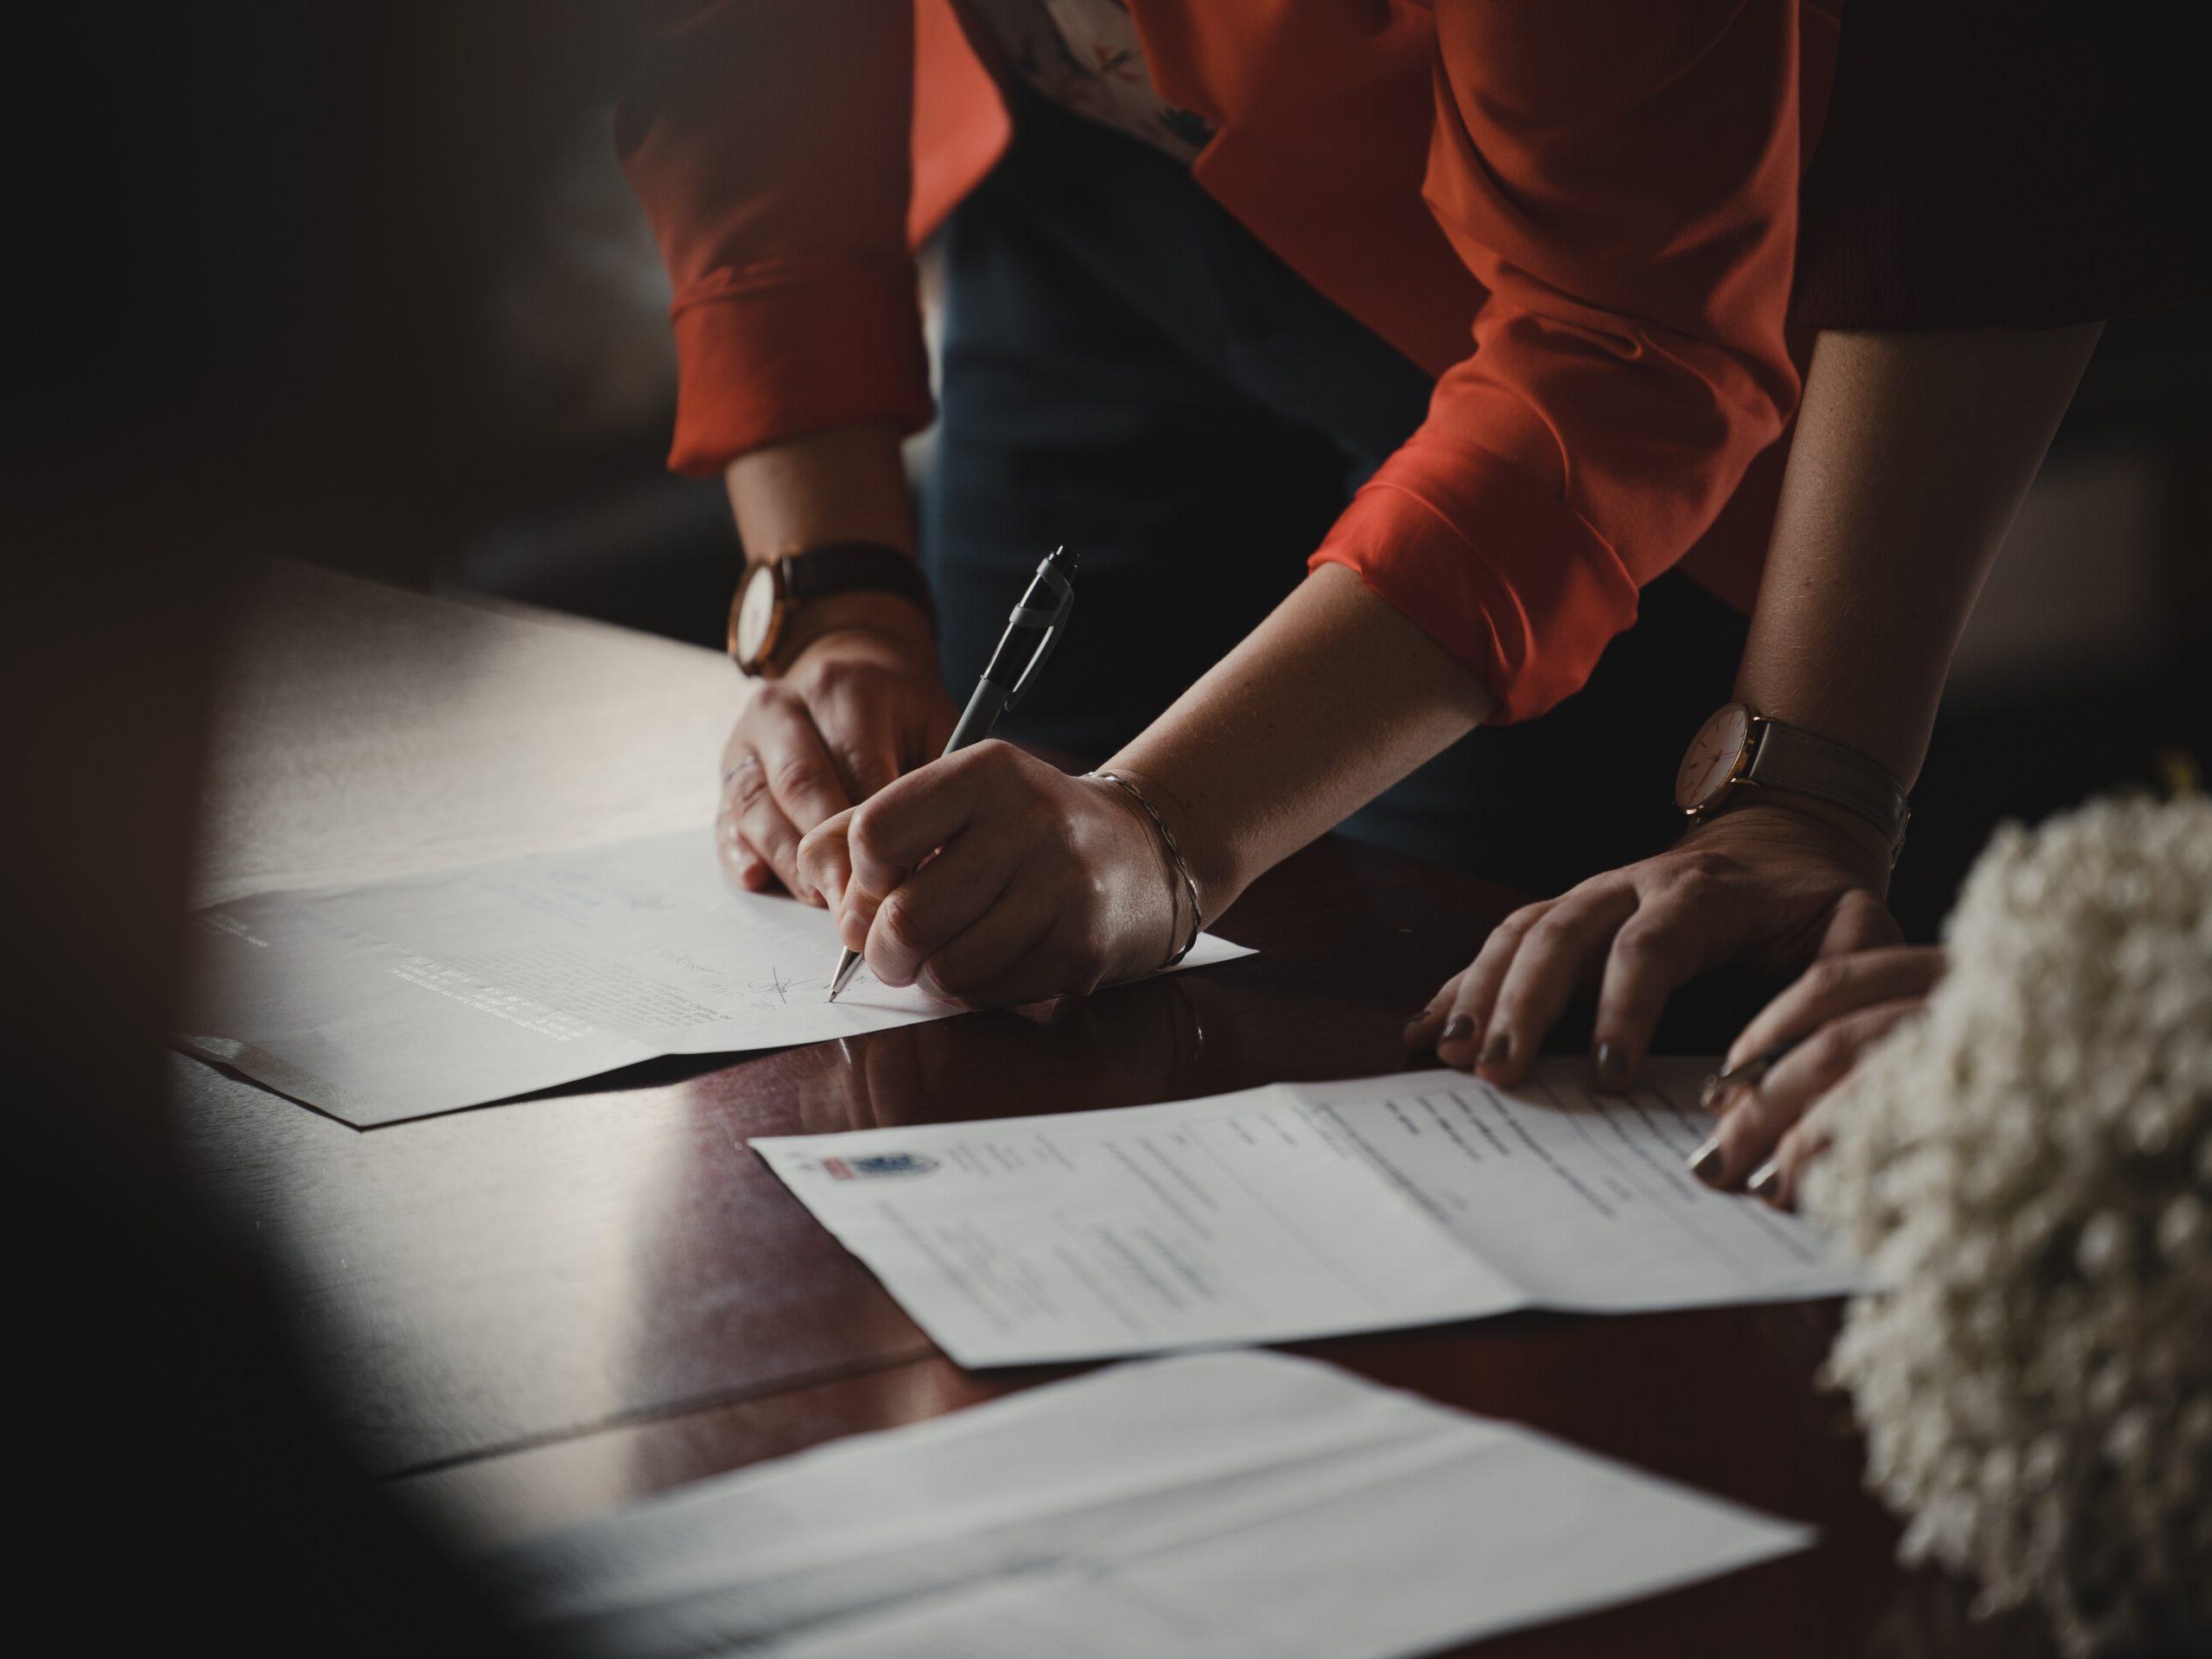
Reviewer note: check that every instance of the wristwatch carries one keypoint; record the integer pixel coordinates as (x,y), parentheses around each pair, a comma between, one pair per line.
(771,591)
(1739,747)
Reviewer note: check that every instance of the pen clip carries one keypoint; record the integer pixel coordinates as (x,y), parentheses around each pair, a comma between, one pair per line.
(1052,638)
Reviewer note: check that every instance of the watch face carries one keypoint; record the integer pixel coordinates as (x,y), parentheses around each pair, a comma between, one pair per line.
(752,617)
(1713,755)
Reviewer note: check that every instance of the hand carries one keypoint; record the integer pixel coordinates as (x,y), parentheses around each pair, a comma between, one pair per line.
(859,707)
(992,879)
(1770,885)
(1826,1021)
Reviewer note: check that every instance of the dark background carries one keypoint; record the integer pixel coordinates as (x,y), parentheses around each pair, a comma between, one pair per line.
(357,284)
(364,286)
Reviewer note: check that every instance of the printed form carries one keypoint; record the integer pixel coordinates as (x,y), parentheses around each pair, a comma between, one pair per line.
(1300,1211)
(414,995)
(1213,1506)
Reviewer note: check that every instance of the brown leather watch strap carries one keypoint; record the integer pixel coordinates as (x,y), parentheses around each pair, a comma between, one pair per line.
(855,567)
(1799,762)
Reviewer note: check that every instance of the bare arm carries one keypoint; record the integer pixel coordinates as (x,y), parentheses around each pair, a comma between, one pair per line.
(1913,453)
(1328,702)
(1036,883)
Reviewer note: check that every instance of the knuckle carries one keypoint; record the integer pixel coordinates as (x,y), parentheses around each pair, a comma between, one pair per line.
(1640,941)
(1827,978)
(1696,864)
(773,702)
(864,830)
(1553,927)
(1517,925)
(1696,885)
(992,757)
(1832,1050)
(748,792)
(793,771)
(854,761)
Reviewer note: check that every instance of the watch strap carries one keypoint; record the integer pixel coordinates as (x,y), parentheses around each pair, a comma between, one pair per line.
(855,567)
(1800,762)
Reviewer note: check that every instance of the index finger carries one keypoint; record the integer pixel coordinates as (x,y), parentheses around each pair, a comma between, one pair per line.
(825,860)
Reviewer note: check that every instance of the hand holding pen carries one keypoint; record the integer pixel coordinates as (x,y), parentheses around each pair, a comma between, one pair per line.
(1031,632)
(991,877)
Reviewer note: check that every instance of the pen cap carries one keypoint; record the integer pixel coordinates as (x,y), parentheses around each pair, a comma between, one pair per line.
(1033,629)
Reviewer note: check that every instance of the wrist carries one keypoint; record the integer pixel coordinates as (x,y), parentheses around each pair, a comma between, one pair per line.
(886,617)
(1205,851)
(1841,833)
(1186,910)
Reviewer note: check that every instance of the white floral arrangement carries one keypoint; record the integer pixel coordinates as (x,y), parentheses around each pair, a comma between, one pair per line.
(2027,1169)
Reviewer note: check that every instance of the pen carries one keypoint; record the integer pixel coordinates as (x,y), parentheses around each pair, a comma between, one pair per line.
(1031,632)
(1746,1075)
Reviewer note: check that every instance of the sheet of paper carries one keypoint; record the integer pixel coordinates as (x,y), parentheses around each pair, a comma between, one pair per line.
(1224,1505)
(407,997)
(1298,1211)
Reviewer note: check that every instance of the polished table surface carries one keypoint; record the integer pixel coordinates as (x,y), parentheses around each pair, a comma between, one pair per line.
(533,1312)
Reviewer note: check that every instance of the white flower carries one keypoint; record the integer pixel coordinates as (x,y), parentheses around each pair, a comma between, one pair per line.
(2028,1166)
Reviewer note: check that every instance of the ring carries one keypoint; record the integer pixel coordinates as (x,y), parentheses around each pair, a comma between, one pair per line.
(748,758)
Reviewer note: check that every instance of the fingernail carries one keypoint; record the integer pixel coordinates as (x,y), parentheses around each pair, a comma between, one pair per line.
(1609,1068)
(1457,1025)
(1708,1092)
(1498,1048)
(1707,1161)
(1765,1181)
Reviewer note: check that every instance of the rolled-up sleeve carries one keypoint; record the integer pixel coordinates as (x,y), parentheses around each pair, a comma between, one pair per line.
(769,143)
(1623,179)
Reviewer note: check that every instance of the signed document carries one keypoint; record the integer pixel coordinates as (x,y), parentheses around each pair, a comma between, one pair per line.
(1221,1505)
(416,996)
(1299,1211)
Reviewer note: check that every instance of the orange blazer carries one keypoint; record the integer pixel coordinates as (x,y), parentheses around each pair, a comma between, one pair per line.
(1581,216)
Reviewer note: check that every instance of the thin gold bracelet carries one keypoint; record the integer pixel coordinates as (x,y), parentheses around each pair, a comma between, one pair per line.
(1174,854)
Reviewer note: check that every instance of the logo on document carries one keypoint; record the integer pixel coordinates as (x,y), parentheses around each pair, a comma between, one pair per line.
(881,1163)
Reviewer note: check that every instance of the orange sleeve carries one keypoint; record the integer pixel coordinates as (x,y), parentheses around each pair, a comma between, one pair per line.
(1623,178)
(769,143)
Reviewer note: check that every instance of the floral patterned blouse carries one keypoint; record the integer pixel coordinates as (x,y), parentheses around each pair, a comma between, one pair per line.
(1085,56)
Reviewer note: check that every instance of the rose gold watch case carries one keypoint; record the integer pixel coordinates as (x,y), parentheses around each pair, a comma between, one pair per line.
(762,584)
(1715,761)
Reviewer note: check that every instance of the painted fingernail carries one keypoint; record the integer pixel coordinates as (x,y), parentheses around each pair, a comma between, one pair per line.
(1609,1068)
(1498,1049)
(1707,1161)
(1765,1181)
(1457,1027)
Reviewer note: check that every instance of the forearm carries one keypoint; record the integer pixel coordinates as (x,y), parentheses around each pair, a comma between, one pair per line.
(1326,704)
(845,485)
(1912,453)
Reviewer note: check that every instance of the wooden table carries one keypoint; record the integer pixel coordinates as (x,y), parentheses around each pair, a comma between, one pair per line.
(538,1311)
